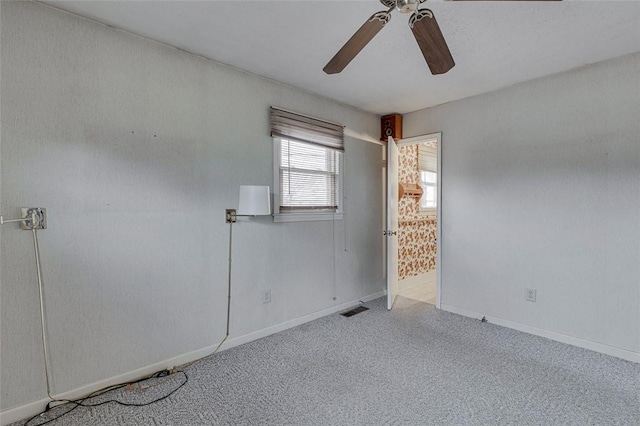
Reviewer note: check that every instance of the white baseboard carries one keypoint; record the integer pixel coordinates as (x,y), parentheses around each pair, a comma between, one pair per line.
(28,410)
(23,411)
(558,337)
(32,408)
(240,340)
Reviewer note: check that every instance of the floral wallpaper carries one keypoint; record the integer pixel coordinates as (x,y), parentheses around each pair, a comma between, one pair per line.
(417,232)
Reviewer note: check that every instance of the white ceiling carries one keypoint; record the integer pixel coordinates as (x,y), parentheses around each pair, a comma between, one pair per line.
(494,44)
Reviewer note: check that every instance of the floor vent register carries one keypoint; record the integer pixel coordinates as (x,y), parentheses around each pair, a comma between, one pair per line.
(354,311)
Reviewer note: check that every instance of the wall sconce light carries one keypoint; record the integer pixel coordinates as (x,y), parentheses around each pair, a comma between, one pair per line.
(255,200)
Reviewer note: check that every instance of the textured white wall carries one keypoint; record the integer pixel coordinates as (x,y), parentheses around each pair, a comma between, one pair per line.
(136,149)
(541,189)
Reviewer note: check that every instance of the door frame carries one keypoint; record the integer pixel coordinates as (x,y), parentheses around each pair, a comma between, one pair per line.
(391,221)
(415,140)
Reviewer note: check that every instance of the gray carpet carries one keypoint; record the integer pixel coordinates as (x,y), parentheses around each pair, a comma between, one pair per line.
(413,366)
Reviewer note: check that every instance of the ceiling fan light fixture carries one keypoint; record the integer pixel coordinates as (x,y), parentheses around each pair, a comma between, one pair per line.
(407,6)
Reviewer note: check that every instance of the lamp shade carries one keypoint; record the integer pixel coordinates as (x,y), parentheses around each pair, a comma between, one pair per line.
(254,200)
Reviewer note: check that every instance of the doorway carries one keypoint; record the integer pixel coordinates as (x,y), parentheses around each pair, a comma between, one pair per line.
(419,218)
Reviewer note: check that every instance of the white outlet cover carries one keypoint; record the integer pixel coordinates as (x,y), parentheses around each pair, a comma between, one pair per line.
(531,294)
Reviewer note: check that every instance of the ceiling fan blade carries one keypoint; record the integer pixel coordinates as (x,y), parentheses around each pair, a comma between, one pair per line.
(431,41)
(357,42)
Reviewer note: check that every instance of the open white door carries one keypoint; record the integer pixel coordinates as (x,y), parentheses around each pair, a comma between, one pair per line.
(391,232)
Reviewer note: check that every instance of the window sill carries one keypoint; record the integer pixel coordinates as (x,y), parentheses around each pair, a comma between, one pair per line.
(428,212)
(306,217)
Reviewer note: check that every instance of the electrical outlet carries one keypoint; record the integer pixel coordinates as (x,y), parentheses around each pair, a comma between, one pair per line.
(531,295)
(266,296)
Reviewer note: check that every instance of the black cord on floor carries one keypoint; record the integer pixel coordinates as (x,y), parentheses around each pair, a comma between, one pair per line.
(81,401)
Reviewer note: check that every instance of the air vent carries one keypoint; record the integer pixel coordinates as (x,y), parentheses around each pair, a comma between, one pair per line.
(354,311)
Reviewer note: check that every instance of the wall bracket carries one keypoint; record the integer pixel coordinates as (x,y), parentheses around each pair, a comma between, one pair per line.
(230,215)
(30,218)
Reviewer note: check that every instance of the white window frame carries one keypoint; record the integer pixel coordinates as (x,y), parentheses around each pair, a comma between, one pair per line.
(299,216)
(428,211)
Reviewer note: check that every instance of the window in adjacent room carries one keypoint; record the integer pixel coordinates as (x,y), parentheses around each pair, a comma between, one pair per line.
(307,167)
(428,165)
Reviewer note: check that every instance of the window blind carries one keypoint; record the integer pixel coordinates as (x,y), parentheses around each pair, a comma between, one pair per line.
(309,176)
(427,158)
(297,127)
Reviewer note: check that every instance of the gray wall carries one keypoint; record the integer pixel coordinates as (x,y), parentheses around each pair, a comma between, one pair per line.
(541,189)
(136,149)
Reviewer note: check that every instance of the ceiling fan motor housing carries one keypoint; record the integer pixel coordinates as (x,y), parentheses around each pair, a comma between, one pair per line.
(407,6)
(404,6)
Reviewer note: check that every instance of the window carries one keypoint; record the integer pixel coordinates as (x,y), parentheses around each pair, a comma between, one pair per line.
(307,167)
(429,184)
(428,165)
(308,176)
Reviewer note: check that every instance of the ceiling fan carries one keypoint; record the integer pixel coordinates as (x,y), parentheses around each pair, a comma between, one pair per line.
(423,25)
